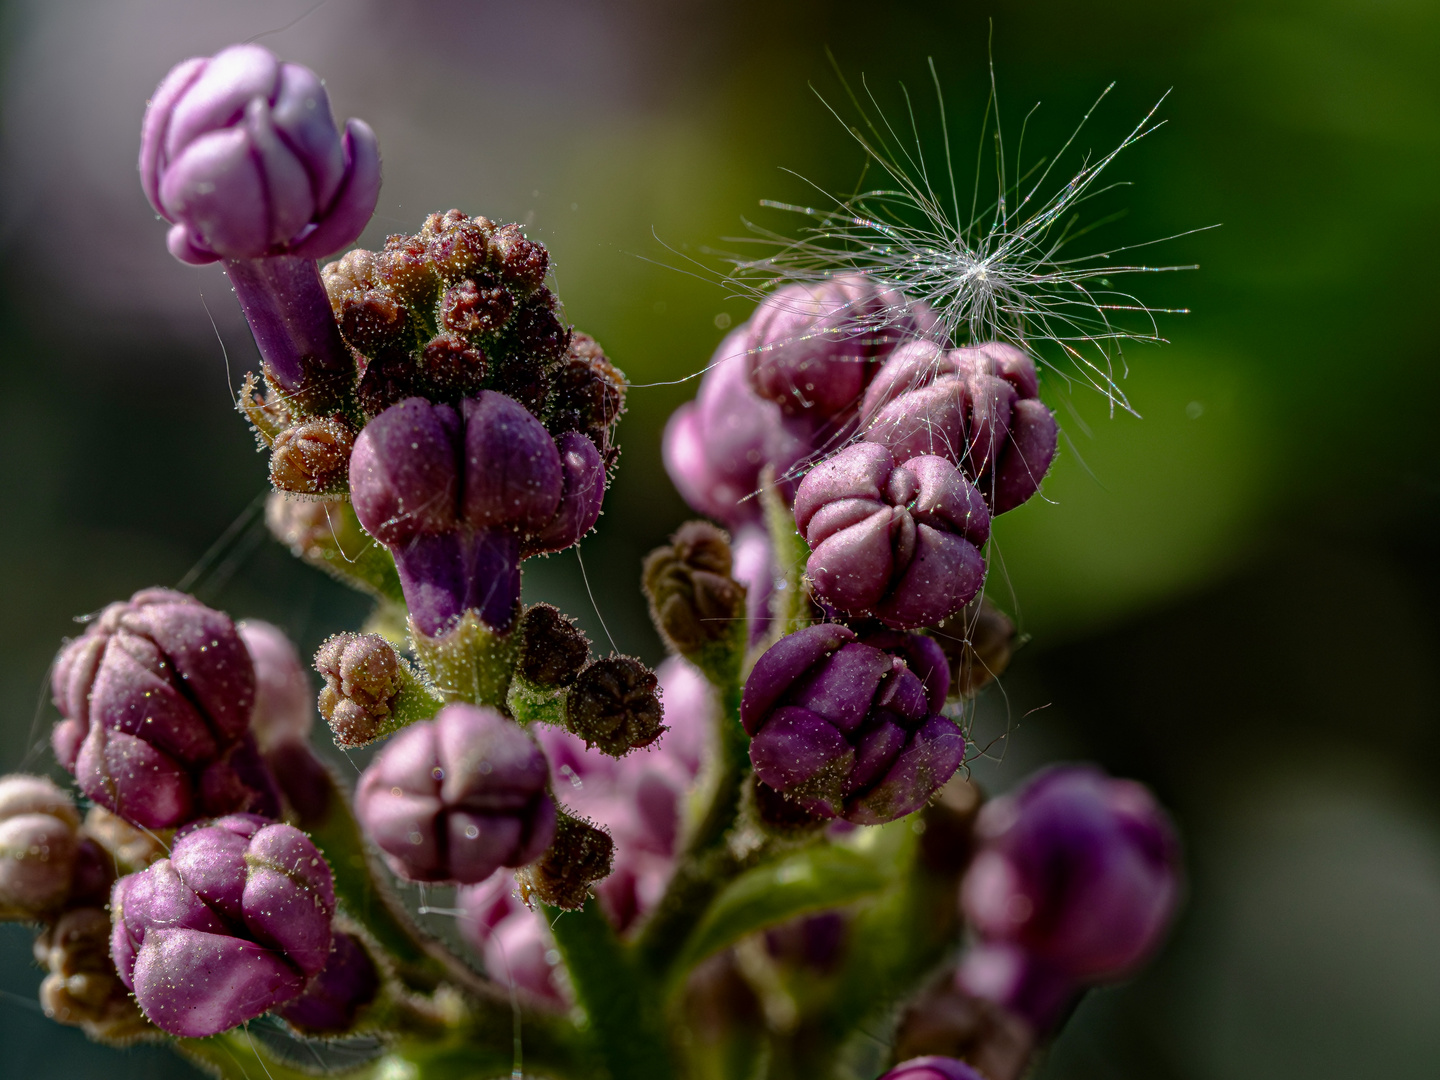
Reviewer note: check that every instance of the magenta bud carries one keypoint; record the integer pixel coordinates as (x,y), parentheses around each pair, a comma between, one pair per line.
(847,728)
(899,542)
(40,851)
(513,940)
(157,696)
(458,797)
(348,982)
(233,924)
(284,698)
(239,151)
(932,1068)
(1076,881)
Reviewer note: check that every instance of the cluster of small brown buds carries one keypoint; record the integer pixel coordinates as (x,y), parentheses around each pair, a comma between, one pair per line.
(312,457)
(946,1021)
(553,650)
(979,643)
(694,599)
(364,677)
(81,987)
(580,855)
(614,704)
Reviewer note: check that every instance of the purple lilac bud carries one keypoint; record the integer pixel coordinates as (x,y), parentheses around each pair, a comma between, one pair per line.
(1076,882)
(899,542)
(39,846)
(755,569)
(977,407)
(932,1068)
(851,728)
(240,153)
(460,496)
(457,797)
(234,923)
(284,699)
(514,941)
(157,697)
(334,999)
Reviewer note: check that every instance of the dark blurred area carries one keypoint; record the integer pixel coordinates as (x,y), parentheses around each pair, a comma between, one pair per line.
(1234,599)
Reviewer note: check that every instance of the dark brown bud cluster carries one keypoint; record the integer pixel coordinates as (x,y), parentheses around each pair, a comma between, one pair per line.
(979,643)
(363,677)
(945,1020)
(693,599)
(579,856)
(553,650)
(82,988)
(460,307)
(614,705)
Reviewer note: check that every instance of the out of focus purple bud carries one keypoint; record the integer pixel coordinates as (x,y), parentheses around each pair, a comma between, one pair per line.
(755,569)
(39,846)
(284,699)
(240,152)
(157,697)
(976,407)
(457,495)
(331,1004)
(1076,881)
(944,1020)
(932,1068)
(899,542)
(815,347)
(979,642)
(234,923)
(514,941)
(458,797)
(851,729)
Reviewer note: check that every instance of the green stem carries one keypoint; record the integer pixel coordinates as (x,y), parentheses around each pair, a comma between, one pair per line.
(620,999)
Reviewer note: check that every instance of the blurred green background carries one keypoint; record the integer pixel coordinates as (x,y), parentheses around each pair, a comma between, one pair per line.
(1234,599)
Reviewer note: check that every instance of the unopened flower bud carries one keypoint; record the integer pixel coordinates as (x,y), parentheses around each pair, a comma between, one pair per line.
(579,856)
(128,849)
(335,998)
(457,797)
(694,599)
(458,246)
(369,689)
(81,988)
(587,394)
(514,940)
(896,541)
(850,729)
(312,458)
(932,1068)
(372,321)
(452,367)
(234,923)
(979,642)
(38,846)
(157,696)
(284,702)
(944,1020)
(327,534)
(613,705)
(521,262)
(553,648)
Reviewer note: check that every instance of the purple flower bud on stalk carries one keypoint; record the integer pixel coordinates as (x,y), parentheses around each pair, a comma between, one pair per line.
(514,941)
(848,728)
(899,542)
(234,923)
(460,497)
(157,696)
(39,846)
(755,569)
(284,698)
(932,1068)
(1076,882)
(457,797)
(977,407)
(348,982)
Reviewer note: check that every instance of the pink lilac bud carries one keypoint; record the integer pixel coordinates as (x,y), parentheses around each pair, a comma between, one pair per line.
(814,348)
(755,569)
(284,698)
(234,923)
(157,697)
(458,797)
(348,982)
(39,846)
(896,541)
(977,407)
(851,728)
(461,496)
(514,941)
(932,1068)
(1076,882)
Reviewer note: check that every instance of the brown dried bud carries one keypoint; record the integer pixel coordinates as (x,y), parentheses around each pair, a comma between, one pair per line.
(386,379)
(352,273)
(536,332)
(579,856)
(947,1022)
(693,599)
(587,394)
(82,988)
(372,320)
(473,306)
(312,458)
(614,705)
(781,816)
(406,272)
(363,676)
(458,246)
(453,366)
(522,263)
(38,846)
(552,648)
(129,849)
(979,642)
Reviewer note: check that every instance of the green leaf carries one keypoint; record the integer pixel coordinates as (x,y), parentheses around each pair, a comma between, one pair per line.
(812,880)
